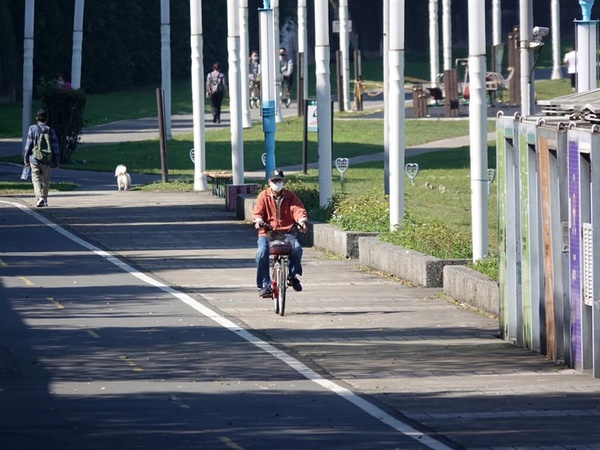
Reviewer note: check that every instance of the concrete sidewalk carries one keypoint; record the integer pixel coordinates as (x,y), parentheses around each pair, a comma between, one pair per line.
(424,358)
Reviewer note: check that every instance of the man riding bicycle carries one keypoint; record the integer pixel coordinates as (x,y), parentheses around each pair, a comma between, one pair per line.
(280,209)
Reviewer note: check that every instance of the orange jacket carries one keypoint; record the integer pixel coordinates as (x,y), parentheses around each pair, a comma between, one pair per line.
(281,213)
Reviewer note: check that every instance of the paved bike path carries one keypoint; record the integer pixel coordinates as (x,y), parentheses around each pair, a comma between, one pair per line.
(424,358)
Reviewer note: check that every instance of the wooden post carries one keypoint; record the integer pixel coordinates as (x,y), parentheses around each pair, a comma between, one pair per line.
(338,77)
(514,61)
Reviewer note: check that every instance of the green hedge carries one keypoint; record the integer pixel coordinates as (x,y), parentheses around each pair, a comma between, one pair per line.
(65,114)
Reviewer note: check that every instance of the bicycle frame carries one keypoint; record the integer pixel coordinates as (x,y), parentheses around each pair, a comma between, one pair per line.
(281,246)
(279,271)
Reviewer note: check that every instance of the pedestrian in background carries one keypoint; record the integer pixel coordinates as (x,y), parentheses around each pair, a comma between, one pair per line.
(216,89)
(41,166)
(286,69)
(570,60)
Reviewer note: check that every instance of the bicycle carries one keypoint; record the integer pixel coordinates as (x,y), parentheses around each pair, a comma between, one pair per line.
(281,245)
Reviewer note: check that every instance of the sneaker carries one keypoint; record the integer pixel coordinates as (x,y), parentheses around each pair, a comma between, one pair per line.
(40,203)
(295,284)
(45,202)
(265,292)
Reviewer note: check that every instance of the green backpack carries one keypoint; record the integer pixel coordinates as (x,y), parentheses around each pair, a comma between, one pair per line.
(42,150)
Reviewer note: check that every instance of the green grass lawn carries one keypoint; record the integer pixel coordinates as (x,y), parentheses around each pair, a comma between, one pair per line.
(441,191)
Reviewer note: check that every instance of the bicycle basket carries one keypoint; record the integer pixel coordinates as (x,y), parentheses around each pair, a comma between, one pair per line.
(281,243)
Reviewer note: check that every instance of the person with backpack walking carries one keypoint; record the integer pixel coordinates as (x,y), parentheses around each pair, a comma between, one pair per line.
(41,154)
(216,89)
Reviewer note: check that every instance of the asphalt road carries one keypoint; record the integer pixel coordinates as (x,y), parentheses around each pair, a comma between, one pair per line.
(97,355)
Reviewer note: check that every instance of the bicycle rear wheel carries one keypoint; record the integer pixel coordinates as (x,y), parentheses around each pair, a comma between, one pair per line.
(275,285)
(281,287)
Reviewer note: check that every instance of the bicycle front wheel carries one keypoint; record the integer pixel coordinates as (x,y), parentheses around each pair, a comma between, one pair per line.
(281,287)
(275,285)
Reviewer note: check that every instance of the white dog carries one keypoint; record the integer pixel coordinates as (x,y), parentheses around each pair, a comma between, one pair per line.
(123,178)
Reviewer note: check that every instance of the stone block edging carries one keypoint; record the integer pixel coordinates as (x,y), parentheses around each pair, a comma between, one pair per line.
(342,243)
(473,288)
(406,264)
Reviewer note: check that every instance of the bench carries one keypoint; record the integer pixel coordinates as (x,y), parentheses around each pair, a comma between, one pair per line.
(218,179)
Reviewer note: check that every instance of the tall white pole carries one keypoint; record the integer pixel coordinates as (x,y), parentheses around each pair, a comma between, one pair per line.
(555,30)
(77,44)
(496,22)
(278,111)
(447,33)
(197,71)
(245,52)
(268,82)
(434,45)
(386,97)
(345,48)
(233,46)
(397,114)
(497,35)
(322,60)
(27,67)
(478,128)
(165,40)
(303,44)
(587,39)
(525,35)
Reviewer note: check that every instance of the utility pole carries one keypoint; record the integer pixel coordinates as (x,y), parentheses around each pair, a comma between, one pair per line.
(233,47)
(324,118)
(397,113)
(478,129)
(77,44)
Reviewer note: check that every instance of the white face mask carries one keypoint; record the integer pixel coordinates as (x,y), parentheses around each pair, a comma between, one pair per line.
(276,186)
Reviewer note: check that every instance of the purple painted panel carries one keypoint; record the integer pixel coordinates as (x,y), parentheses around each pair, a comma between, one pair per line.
(575,254)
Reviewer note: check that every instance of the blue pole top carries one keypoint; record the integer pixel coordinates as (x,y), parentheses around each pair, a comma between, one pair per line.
(586,9)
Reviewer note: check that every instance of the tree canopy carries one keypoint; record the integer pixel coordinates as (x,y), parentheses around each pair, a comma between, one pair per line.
(121,38)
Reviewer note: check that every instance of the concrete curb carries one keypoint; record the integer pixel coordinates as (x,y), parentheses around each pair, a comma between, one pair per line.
(424,270)
(473,288)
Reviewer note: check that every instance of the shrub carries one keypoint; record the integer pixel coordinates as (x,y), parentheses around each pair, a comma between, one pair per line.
(310,197)
(434,239)
(487,266)
(367,213)
(65,114)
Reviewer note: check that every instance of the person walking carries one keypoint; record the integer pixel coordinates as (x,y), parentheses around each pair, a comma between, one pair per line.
(216,89)
(570,60)
(41,153)
(254,79)
(280,209)
(286,69)
(254,66)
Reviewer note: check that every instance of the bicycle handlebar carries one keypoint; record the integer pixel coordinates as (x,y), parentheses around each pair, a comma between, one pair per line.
(266,226)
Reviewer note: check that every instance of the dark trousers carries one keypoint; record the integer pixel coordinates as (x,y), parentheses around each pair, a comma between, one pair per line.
(216,100)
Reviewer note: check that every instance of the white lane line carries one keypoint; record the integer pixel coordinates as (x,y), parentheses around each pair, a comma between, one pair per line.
(298,366)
